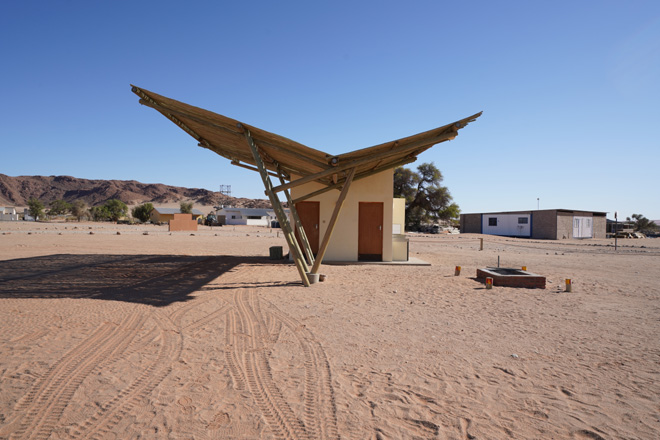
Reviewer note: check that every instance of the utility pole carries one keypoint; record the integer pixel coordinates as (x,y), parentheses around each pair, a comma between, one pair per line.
(616,228)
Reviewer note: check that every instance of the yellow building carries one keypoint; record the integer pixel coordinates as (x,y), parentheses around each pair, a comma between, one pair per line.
(164,215)
(371,224)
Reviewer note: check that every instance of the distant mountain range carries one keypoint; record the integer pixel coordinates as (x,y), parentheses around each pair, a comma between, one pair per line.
(16,191)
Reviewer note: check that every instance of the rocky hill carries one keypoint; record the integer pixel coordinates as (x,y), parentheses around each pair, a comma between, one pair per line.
(16,191)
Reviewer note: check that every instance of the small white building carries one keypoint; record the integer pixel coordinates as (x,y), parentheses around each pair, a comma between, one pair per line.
(247,216)
(8,214)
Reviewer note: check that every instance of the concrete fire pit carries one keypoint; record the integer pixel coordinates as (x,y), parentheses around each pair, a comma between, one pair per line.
(508,277)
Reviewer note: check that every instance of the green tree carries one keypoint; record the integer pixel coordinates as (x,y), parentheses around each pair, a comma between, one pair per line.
(644,225)
(59,207)
(186,207)
(99,213)
(451,212)
(36,208)
(111,210)
(426,199)
(116,209)
(405,183)
(142,212)
(78,209)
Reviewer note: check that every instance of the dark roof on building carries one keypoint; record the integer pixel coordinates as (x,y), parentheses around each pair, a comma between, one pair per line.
(175,211)
(530,211)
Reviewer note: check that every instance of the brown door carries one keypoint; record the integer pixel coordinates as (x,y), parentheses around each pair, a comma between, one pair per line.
(309,213)
(370,231)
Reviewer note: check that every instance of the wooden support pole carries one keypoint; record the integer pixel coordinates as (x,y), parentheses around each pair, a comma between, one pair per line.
(249,167)
(333,222)
(279,212)
(358,177)
(299,228)
(358,162)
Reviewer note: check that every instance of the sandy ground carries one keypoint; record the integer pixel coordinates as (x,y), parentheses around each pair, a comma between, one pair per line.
(153,335)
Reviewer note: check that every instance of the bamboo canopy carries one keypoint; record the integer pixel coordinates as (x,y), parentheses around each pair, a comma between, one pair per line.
(226,137)
(273,155)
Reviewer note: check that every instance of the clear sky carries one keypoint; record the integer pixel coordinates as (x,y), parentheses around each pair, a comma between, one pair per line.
(569,90)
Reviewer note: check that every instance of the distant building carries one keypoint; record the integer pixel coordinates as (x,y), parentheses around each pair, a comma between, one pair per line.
(620,229)
(26,215)
(164,215)
(183,222)
(8,214)
(247,216)
(549,224)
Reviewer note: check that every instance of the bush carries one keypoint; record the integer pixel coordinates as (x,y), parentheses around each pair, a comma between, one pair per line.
(59,207)
(112,210)
(142,212)
(116,208)
(36,208)
(186,207)
(78,209)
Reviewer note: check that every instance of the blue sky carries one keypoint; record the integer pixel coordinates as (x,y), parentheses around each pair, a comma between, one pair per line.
(569,91)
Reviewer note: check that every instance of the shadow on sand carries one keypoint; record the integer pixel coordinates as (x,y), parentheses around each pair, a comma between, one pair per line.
(156,280)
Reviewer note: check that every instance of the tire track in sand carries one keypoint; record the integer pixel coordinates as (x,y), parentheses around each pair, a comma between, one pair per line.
(250,344)
(124,402)
(169,330)
(277,413)
(234,334)
(320,409)
(234,348)
(44,404)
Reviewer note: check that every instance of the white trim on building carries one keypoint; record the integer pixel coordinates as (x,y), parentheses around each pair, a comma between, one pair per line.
(248,216)
(514,225)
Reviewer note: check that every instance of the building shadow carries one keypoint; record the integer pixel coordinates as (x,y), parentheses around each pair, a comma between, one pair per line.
(156,280)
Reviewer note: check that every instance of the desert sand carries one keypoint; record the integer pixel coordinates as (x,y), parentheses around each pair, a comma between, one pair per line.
(151,335)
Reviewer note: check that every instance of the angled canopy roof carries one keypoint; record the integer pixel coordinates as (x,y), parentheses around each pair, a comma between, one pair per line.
(270,154)
(226,137)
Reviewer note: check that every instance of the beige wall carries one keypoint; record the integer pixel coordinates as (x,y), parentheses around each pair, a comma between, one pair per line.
(157,217)
(398,216)
(344,243)
(399,239)
(600,226)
